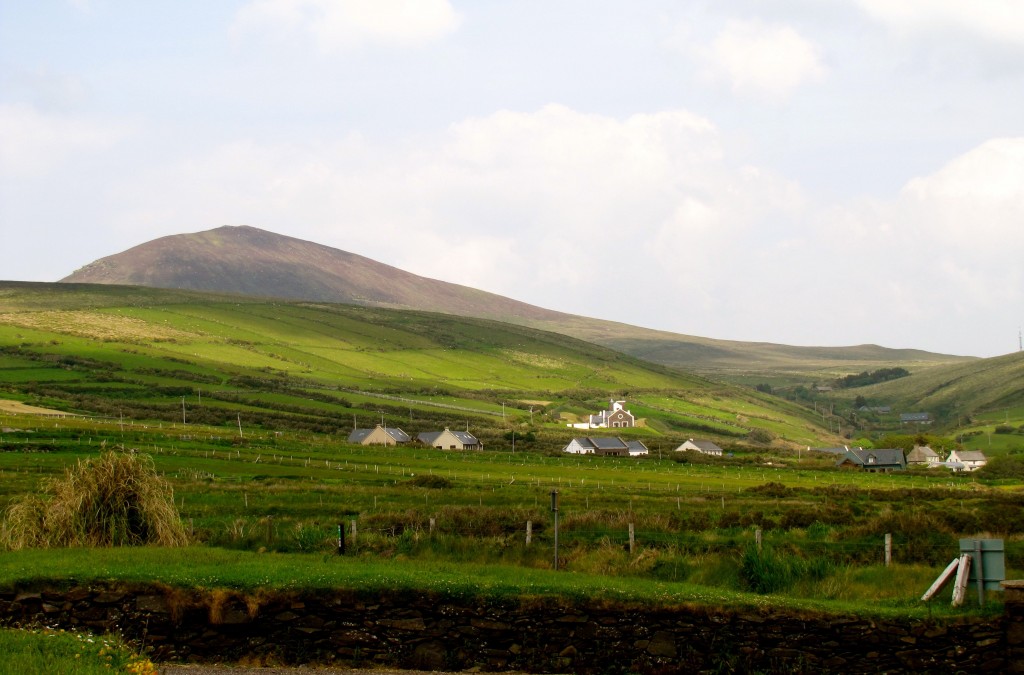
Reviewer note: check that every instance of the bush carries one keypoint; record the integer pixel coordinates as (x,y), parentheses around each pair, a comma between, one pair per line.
(117,499)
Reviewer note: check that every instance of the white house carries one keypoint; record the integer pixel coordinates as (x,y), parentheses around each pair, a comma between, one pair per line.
(450,440)
(579,446)
(966,460)
(615,417)
(705,447)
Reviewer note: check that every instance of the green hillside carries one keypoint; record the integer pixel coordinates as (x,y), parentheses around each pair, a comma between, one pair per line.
(149,354)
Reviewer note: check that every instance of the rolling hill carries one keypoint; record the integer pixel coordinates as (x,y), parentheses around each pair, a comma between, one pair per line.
(255,262)
(154,354)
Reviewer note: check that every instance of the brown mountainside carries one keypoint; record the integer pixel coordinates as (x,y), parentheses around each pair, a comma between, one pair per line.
(251,261)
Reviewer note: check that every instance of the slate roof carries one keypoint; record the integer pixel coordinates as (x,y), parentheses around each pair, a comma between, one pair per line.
(608,444)
(359,435)
(971,456)
(881,457)
(636,447)
(584,443)
(707,447)
(915,417)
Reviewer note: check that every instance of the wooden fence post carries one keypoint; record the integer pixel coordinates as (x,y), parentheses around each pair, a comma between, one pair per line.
(757,538)
(632,539)
(888,549)
(353,533)
(433,523)
(529,532)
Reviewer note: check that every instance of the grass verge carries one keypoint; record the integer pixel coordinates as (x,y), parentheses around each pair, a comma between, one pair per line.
(67,653)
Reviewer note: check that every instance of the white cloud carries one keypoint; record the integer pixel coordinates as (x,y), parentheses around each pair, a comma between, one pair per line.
(339,25)
(998,20)
(32,142)
(762,60)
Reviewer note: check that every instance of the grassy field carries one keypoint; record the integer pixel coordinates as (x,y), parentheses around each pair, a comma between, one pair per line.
(65,653)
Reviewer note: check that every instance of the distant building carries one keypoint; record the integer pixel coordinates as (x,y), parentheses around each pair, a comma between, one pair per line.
(704,447)
(615,417)
(966,460)
(636,448)
(608,447)
(922,455)
(874,461)
(830,451)
(379,436)
(450,440)
(915,418)
(880,409)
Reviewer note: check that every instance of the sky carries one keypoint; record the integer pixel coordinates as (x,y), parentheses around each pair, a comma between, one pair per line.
(807,172)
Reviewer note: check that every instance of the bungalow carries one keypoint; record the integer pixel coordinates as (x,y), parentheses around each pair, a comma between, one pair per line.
(922,455)
(916,418)
(612,447)
(450,440)
(873,461)
(705,447)
(379,435)
(966,460)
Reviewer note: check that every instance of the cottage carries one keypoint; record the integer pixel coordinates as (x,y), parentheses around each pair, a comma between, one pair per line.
(450,440)
(610,447)
(966,460)
(873,461)
(922,455)
(379,435)
(704,447)
(579,446)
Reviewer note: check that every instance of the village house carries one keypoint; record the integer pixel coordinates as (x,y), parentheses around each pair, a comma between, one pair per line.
(379,435)
(608,447)
(704,447)
(615,417)
(922,455)
(882,460)
(636,448)
(450,440)
(966,460)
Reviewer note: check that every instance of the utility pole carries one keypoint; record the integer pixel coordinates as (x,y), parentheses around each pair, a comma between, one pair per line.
(182,411)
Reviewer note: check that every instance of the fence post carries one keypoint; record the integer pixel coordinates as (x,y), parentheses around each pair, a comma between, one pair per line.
(341,539)
(888,549)
(554,508)
(353,533)
(433,523)
(632,539)
(529,532)
(757,538)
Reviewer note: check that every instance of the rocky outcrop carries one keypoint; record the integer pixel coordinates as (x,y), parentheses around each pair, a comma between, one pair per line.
(539,635)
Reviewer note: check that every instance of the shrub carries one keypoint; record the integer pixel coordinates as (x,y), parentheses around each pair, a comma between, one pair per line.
(117,499)
(430,481)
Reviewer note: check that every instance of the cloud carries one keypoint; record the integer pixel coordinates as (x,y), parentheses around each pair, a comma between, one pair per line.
(32,142)
(762,60)
(996,20)
(341,25)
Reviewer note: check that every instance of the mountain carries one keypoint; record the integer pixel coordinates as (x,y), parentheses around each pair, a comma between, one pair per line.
(251,261)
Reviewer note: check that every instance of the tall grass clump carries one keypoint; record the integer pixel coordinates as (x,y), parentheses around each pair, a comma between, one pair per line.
(116,499)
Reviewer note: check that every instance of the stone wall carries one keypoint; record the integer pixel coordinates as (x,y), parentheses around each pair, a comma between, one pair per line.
(542,635)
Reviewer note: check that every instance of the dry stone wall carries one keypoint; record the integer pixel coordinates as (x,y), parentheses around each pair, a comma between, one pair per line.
(537,635)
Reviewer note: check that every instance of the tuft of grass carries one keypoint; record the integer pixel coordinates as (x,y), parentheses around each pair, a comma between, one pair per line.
(116,499)
(57,652)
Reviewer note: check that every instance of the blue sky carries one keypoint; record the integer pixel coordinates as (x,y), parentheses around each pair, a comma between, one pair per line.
(813,172)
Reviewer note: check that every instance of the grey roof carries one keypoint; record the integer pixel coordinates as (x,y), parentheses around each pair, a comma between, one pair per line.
(464,437)
(608,443)
(584,442)
(915,417)
(971,456)
(636,446)
(428,437)
(878,457)
(359,435)
(706,446)
(832,451)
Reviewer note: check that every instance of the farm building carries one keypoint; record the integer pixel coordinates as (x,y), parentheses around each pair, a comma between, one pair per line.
(922,455)
(379,436)
(704,447)
(450,440)
(615,417)
(966,460)
(874,461)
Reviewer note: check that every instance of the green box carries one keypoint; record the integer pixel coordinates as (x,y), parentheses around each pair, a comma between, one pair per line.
(993,561)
